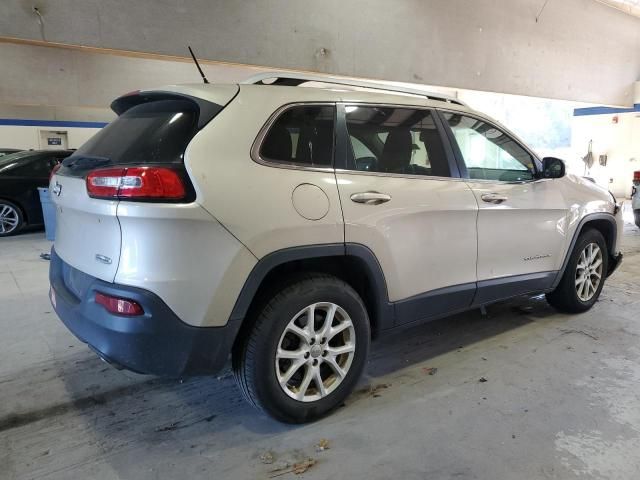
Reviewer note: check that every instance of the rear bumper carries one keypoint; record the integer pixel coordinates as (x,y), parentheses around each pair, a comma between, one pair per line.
(157,342)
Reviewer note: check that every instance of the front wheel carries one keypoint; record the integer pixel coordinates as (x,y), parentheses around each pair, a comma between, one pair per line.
(584,276)
(306,350)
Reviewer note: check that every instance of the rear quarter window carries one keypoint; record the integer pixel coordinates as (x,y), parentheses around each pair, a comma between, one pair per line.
(301,135)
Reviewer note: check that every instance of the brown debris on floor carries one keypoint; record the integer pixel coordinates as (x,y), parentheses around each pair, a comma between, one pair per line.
(430,370)
(374,390)
(297,468)
(322,445)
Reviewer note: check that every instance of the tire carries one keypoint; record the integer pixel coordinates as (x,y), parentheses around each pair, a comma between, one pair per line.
(576,291)
(11,218)
(259,372)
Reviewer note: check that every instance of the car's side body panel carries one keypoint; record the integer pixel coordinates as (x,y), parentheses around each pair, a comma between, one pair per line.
(185,256)
(523,234)
(252,200)
(584,198)
(424,237)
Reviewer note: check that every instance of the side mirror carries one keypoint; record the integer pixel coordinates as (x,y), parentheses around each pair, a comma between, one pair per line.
(552,168)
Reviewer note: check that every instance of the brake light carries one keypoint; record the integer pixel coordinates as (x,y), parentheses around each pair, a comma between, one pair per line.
(636,176)
(141,183)
(119,306)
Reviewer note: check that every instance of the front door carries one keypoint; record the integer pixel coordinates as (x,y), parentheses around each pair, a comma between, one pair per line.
(399,200)
(521,221)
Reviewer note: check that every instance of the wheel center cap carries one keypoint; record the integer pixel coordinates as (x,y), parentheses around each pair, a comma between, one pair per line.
(316,351)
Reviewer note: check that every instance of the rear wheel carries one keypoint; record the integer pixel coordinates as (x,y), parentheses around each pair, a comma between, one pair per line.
(584,276)
(306,350)
(11,219)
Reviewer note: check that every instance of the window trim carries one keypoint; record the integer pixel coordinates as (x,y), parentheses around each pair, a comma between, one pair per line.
(342,142)
(259,140)
(462,166)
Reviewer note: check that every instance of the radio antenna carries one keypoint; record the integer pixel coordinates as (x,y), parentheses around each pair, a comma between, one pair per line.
(195,60)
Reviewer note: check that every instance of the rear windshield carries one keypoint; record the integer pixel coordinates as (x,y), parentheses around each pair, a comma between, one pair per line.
(153,132)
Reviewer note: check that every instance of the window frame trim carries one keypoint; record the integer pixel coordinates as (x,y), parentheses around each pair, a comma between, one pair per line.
(462,166)
(342,132)
(256,146)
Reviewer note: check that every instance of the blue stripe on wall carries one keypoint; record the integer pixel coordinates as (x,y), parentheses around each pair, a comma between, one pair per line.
(49,123)
(581,112)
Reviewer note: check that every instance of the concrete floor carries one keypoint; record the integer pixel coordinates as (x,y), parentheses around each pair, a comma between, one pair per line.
(560,400)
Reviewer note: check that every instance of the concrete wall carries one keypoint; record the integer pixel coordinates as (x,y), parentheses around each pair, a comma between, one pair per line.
(575,49)
(59,119)
(53,76)
(29,137)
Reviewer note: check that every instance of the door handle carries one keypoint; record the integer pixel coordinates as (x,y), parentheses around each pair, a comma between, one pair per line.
(370,198)
(493,198)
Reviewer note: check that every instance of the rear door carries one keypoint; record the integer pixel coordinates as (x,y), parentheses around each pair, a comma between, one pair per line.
(521,220)
(399,200)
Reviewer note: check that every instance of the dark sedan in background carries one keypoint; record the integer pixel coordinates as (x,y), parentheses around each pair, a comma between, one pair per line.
(7,151)
(20,176)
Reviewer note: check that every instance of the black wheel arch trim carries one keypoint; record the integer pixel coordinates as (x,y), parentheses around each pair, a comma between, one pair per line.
(266,264)
(580,228)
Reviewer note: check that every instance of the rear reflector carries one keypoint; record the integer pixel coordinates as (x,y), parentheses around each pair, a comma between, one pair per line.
(119,306)
(141,183)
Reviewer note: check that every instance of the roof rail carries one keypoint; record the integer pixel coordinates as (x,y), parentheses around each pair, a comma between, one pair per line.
(295,79)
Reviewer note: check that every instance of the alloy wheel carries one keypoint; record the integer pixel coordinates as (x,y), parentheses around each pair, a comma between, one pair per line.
(9,218)
(315,352)
(589,272)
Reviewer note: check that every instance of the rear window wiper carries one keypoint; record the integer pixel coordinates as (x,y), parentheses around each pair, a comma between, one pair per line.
(85,161)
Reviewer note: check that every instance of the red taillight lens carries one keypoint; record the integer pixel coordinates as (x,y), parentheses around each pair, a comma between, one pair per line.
(119,306)
(142,183)
(636,176)
(54,170)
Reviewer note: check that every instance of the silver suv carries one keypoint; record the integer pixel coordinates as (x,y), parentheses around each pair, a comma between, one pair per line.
(286,223)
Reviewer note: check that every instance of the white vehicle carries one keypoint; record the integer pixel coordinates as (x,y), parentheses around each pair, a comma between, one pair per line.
(286,226)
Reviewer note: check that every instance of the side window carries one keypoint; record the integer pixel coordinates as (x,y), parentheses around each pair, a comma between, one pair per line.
(301,136)
(488,153)
(396,140)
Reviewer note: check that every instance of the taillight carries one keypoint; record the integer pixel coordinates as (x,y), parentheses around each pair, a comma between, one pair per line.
(636,176)
(54,170)
(141,183)
(119,306)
